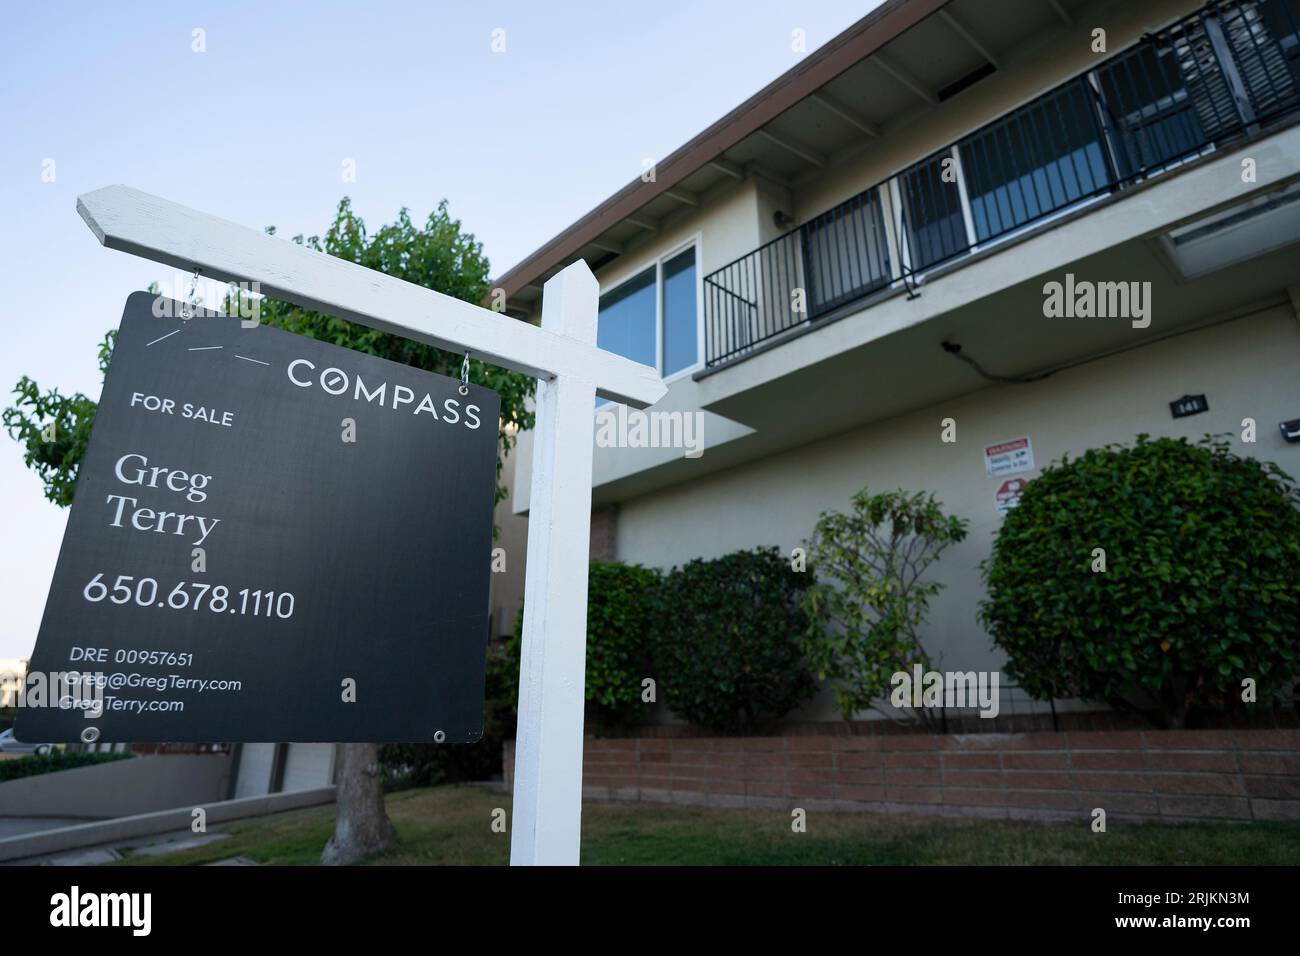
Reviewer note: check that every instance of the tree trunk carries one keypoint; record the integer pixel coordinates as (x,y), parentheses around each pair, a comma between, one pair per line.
(362,828)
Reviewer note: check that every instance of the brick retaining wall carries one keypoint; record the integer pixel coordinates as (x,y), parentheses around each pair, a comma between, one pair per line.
(1164,775)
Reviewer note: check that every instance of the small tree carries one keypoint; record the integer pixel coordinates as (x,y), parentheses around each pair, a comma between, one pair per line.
(868,603)
(727,651)
(54,428)
(1167,570)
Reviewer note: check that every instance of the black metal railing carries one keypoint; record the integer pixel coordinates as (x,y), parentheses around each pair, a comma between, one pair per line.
(1223,72)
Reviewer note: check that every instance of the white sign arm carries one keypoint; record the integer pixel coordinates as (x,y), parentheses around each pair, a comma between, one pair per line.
(132,221)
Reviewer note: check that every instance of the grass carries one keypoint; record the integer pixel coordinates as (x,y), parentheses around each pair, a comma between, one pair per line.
(452,826)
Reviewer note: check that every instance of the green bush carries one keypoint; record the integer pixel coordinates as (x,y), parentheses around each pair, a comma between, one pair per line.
(621,604)
(33,765)
(1201,587)
(727,653)
(868,603)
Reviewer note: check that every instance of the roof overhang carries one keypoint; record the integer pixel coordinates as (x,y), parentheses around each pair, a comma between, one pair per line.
(706,151)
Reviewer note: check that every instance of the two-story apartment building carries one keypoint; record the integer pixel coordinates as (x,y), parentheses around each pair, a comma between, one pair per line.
(865,249)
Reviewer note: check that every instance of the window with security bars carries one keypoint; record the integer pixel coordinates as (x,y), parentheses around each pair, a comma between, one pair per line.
(1161,103)
(933,224)
(1039,159)
(845,253)
(1228,70)
(1255,34)
(1282,20)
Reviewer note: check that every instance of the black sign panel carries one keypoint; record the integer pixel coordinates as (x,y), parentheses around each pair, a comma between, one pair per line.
(1189,405)
(272,538)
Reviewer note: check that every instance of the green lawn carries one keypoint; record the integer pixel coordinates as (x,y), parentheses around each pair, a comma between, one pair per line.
(452,825)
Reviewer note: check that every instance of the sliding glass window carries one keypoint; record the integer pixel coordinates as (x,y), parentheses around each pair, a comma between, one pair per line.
(1164,102)
(681,348)
(628,319)
(934,225)
(654,317)
(1039,159)
(845,253)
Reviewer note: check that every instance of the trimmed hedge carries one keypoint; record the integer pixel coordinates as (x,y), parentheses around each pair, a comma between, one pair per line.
(1200,589)
(727,654)
(621,618)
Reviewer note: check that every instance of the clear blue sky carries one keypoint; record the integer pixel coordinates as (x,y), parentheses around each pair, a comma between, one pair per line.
(256,130)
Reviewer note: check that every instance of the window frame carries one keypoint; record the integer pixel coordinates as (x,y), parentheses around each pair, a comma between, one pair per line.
(693,241)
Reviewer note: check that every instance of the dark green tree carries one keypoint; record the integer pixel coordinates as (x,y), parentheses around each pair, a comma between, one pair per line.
(439,255)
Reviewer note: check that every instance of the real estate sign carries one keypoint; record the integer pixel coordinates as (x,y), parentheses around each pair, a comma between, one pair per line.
(272,538)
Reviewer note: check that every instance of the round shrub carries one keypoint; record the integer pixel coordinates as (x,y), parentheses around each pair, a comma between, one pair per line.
(621,600)
(727,656)
(1169,569)
(621,608)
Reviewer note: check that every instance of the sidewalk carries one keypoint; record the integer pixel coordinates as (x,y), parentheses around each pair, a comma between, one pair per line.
(157,845)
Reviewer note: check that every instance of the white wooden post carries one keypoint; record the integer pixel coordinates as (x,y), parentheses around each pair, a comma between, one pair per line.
(562,354)
(552,669)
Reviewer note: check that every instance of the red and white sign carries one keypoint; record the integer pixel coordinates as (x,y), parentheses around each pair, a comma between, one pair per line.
(1008,495)
(1009,457)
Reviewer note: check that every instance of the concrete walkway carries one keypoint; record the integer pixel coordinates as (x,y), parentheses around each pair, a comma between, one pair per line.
(162,826)
(156,845)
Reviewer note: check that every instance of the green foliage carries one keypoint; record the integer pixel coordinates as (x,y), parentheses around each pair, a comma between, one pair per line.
(620,627)
(621,609)
(727,651)
(54,453)
(32,765)
(1201,587)
(439,255)
(868,603)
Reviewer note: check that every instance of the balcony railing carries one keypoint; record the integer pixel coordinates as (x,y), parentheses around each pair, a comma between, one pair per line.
(1219,74)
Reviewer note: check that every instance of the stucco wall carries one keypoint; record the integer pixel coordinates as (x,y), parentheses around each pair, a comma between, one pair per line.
(728,217)
(1246,367)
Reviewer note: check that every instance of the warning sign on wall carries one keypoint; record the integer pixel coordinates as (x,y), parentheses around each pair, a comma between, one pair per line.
(1009,457)
(1008,494)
